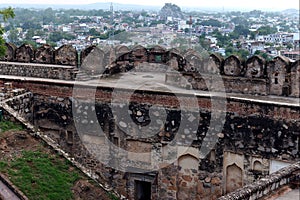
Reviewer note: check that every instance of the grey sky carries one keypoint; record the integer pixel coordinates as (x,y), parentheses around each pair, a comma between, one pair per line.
(253,4)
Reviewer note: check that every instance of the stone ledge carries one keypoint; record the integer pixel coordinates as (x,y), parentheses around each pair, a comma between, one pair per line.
(12,187)
(265,185)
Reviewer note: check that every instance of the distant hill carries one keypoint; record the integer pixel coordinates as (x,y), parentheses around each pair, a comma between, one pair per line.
(291,11)
(170,10)
(133,7)
(97,6)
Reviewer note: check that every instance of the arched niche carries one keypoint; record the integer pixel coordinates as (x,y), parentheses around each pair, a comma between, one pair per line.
(233,66)
(234,178)
(258,166)
(44,54)
(188,161)
(255,67)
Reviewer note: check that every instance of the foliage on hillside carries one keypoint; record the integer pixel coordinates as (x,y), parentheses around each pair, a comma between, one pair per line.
(6,14)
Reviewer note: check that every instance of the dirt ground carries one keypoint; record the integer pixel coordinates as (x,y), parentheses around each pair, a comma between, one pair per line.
(12,143)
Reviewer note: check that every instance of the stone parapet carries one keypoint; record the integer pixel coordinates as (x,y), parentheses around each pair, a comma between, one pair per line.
(266,185)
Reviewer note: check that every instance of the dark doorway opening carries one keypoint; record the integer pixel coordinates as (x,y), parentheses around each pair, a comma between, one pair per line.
(142,190)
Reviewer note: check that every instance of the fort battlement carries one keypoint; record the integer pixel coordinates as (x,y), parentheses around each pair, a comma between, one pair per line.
(255,75)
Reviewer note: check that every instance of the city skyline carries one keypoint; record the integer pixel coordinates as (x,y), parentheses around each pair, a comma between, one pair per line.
(254,4)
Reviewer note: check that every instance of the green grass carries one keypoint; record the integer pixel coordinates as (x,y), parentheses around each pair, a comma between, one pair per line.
(8,125)
(112,196)
(3,165)
(41,176)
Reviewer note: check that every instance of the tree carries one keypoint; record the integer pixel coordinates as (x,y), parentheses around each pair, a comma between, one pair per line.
(6,14)
(240,21)
(13,36)
(238,31)
(29,34)
(57,36)
(223,40)
(211,22)
(242,53)
(204,42)
(94,32)
(266,56)
(186,30)
(161,41)
(267,30)
(289,46)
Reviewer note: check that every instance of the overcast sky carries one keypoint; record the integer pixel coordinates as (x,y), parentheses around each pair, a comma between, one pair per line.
(253,4)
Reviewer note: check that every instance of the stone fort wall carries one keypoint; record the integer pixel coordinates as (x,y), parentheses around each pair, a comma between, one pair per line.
(254,135)
(256,76)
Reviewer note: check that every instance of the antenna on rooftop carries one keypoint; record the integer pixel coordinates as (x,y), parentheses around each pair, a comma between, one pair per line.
(111,7)
(190,31)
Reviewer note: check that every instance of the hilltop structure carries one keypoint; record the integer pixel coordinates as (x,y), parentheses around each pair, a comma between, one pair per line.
(170,10)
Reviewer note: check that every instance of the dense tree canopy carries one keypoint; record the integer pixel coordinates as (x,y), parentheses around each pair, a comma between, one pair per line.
(266,30)
(6,14)
(57,36)
(211,22)
(240,30)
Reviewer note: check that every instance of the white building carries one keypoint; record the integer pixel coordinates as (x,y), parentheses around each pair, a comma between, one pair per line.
(277,38)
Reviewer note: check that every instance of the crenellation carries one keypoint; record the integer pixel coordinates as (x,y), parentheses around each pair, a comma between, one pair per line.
(233,66)
(191,70)
(25,53)
(215,64)
(278,76)
(255,67)
(257,130)
(66,55)
(10,53)
(44,54)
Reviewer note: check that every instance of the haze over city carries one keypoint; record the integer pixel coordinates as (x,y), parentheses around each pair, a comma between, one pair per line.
(228,4)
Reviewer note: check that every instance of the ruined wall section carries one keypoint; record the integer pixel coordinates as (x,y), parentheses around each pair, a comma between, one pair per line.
(22,104)
(258,131)
(258,138)
(53,116)
(19,99)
